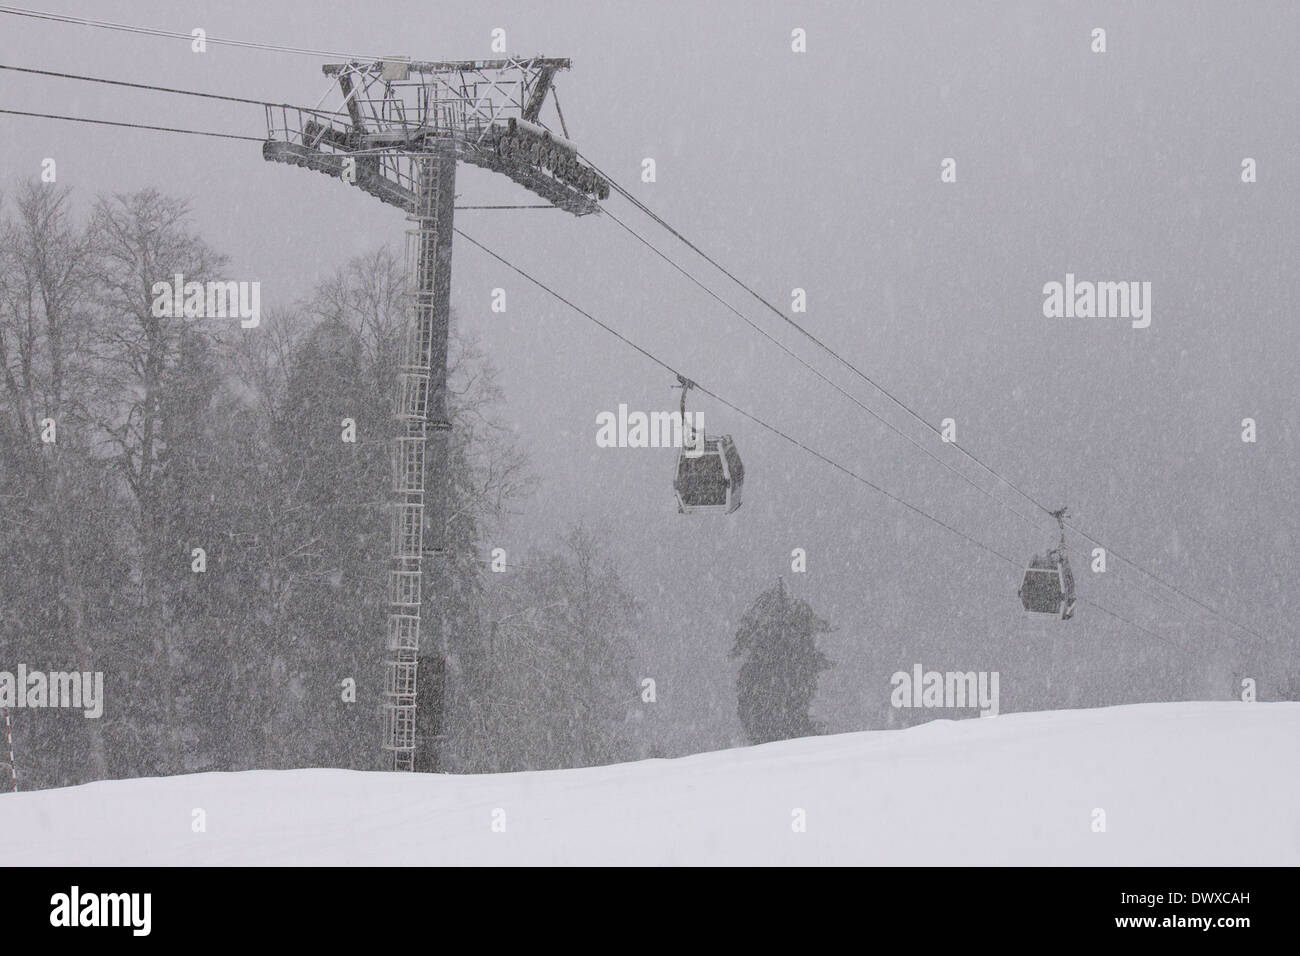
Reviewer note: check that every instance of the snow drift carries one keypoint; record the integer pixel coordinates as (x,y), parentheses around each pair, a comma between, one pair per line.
(1179,784)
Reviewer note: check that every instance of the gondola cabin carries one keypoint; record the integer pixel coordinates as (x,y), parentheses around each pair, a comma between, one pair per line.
(1048,586)
(710,482)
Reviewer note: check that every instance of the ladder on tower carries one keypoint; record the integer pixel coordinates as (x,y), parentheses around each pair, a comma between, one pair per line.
(421,413)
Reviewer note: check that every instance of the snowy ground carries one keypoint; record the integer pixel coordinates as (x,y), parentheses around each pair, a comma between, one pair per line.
(1188,783)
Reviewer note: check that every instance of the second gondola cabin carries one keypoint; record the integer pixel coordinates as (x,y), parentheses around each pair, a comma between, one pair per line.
(1048,586)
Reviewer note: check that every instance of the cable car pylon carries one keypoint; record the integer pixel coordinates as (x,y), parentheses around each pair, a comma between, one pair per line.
(401,129)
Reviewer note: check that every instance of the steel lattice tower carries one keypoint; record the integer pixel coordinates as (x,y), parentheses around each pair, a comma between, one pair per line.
(401,131)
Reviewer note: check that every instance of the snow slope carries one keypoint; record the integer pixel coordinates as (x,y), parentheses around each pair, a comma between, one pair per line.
(1186,783)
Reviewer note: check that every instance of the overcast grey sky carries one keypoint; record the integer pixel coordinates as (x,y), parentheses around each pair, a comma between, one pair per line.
(821,171)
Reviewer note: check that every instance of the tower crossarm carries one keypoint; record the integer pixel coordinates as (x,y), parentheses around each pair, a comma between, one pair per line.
(394,111)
